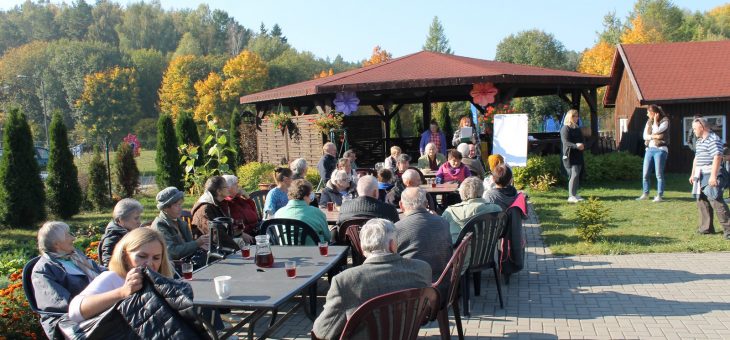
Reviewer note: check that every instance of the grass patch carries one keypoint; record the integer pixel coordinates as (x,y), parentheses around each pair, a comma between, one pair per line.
(145,162)
(634,226)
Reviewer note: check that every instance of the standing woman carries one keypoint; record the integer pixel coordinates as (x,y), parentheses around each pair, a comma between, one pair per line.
(464,122)
(572,140)
(656,139)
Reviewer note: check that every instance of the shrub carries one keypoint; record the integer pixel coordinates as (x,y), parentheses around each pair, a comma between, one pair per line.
(253,173)
(169,171)
(537,167)
(127,173)
(186,132)
(64,192)
(543,182)
(17,321)
(97,192)
(22,195)
(592,219)
(216,160)
(234,139)
(614,166)
(312,176)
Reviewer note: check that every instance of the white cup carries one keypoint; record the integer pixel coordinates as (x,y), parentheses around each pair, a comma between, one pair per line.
(222,286)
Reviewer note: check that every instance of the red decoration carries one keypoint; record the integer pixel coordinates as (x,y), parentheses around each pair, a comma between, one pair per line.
(483,93)
(133,142)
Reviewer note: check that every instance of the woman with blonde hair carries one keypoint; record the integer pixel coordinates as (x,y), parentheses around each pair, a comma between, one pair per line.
(465,121)
(141,247)
(572,140)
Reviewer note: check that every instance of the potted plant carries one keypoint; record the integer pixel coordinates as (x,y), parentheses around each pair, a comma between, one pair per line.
(326,122)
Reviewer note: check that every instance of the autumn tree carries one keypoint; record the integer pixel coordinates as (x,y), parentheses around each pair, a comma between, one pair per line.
(379,55)
(639,33)
(597,59)
(150,64)
(208,97)
(245,73)
(436,40)
(109,102)
(177,92)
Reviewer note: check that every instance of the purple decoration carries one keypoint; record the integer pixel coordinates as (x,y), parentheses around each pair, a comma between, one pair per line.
(346,102)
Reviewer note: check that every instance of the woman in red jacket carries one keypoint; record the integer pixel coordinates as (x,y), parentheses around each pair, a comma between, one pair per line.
(240,208)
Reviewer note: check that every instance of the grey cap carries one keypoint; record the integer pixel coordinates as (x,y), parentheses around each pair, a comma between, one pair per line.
(168,196)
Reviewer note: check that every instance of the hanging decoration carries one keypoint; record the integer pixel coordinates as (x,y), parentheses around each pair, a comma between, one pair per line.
(483,93)
(346,102)
(133,143)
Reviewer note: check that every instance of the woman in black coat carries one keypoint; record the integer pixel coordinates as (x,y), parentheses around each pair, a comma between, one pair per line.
(572,140)
(125,218)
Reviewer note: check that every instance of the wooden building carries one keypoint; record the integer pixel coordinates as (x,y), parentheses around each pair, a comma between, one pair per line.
(420,78)
(685,79)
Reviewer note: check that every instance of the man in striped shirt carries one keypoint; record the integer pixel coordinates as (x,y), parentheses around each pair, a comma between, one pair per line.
(709,178)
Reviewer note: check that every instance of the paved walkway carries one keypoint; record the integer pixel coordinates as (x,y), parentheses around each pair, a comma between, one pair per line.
(647,296)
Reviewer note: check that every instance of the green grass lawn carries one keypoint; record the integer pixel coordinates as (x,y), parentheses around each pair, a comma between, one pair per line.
(636,226)
(145,162)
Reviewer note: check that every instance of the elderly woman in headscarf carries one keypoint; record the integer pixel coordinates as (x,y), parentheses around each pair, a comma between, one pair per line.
(492,162)
(61,273)
(339,186)
(209,207)
(178,237)
(125,218)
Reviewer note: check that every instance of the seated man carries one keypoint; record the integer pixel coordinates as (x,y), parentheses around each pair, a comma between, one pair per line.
(367,203)
(409,179)
(298,208)
(471,204)
(383,271)
(504,193)
(423,236)
(469,152)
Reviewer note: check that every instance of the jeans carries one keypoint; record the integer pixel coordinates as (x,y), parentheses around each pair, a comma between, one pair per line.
(658,158)
(574,179)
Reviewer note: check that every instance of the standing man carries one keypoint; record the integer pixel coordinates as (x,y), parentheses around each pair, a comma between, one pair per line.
(328,162)
(708,179)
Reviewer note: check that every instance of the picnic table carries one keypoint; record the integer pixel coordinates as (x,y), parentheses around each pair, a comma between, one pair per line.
(443,188)
(263,290)
(333,216)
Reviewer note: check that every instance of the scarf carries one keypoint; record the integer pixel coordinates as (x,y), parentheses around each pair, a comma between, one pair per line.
(79,260)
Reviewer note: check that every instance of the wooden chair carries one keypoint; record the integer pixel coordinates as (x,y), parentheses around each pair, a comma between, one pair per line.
(397,315)
(423,178)
(289,232)
(259,198)
(453,268)
(352,235)
(487,228)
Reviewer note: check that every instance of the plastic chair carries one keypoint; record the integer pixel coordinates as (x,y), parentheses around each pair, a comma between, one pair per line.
(352,234)
(289,232)
(341,237)
(420,173)
(30,291)
(259,198)
(454,268)
(487,228)
(397,315)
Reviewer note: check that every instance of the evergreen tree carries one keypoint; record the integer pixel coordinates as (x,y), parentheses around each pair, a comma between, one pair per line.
(64,192)
(22,196)
(169,171)
(127,173)
(97,193)
(235,139)
(396,128)
(443,118)
(436,40)
(186,132)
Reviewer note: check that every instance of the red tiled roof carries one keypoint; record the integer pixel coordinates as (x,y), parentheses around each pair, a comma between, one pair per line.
(427,69)
(673,72)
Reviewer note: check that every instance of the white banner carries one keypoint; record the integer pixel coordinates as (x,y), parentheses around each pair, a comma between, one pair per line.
(510,138)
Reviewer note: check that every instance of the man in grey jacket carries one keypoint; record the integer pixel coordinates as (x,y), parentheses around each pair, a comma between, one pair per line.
(384,271)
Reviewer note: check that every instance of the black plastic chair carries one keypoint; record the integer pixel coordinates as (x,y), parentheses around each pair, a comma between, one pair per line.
(487,228)
(289,232)
(259,198)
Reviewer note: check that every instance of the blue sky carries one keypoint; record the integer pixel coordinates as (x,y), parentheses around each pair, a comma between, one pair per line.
(474,28)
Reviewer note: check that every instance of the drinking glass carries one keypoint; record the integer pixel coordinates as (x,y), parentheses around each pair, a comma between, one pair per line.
(291,269)
(323,248)
(246,251)
(222,286)
(187,271)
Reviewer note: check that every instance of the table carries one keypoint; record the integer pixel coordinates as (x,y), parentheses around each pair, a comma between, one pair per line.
(428,173)
(444,188)
(264,289)
(332,216)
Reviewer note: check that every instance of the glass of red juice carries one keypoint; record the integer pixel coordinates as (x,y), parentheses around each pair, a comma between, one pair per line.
(246,251)
(187,271)
(291,269)
(323,248)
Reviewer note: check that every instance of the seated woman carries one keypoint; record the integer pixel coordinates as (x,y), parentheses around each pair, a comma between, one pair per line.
(339,186)
(61,273)
(390,162)
(298,168)
(177,234)
(471,204)
(241,209)
(504,193)
(277,198)
(453,170)
(208,207)
(125,218)
(140,247)
(298,208)
(468,152)
(431,159)
(492,162)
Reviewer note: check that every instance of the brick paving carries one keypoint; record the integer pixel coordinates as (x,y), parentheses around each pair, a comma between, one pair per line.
(646,296)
